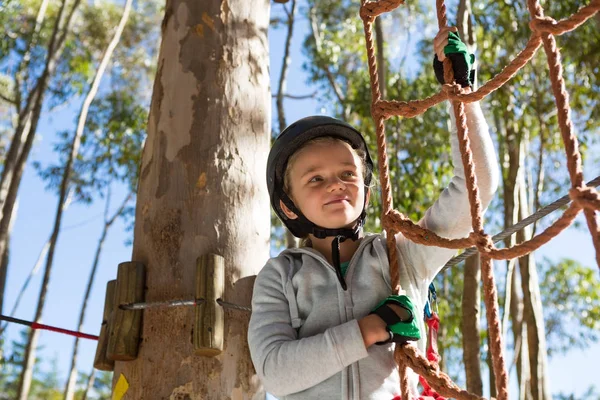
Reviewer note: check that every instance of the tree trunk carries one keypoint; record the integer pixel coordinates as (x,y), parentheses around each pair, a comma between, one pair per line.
(314,24)
(290,240)
(491,369)
(72,375)
(381,64)
(532,311)
(22,73)
(471,305)
(4,265)
(202,191)
(89,385)
(18,153)
(510,158)
(29,359)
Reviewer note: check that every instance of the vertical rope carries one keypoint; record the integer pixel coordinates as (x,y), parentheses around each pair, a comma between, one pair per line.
(564,120)
(387,199)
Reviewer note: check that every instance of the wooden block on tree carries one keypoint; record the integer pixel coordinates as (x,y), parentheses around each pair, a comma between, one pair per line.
(102,362)
(125,330)
(210,317)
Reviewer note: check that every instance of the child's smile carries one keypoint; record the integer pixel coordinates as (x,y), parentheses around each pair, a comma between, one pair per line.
(327,184)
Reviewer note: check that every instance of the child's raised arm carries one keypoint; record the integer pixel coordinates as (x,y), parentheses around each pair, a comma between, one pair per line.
(450,215)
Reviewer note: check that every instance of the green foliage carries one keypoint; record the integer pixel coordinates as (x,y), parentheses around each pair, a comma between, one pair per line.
(571,298)
(45,383)
(101,389)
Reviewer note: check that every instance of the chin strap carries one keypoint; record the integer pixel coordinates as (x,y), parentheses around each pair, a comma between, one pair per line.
(335,255)
(340,234)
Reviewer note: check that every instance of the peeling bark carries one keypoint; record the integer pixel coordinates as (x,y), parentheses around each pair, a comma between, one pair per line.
(202,191)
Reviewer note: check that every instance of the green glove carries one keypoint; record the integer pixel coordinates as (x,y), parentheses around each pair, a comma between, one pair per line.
(400,331)
(462,62)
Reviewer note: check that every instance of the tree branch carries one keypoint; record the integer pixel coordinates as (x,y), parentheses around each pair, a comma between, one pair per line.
(317,36)
(8,99)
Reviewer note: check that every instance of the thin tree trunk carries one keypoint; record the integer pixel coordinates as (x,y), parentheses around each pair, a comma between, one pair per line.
(4,264)
(290,239)
(471,305)
(381,64)
(532,312)
(72,375)
(221,104)
(18,153)
(22,74)
(314,24)
(490,368)
(29,359)
(90,384)
(36,267)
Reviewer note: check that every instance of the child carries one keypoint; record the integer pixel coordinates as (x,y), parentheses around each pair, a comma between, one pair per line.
(316,310)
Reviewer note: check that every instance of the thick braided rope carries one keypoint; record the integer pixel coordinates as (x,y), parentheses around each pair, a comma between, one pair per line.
(564,120)
(583,197)
(382,161)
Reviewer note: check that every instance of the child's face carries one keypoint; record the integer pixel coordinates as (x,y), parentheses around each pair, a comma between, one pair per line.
(327,184)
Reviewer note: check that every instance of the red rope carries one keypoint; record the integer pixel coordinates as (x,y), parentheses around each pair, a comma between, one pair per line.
(35,325)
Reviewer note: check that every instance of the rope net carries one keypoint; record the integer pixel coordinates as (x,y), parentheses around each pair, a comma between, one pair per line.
(584,198)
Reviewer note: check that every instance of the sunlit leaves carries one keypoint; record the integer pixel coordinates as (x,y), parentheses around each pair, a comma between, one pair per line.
(571,296)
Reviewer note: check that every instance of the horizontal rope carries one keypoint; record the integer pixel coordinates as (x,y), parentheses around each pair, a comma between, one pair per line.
(520,225)
(35,325)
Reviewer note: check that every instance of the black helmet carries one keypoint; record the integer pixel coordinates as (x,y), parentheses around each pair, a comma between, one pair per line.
(287,143)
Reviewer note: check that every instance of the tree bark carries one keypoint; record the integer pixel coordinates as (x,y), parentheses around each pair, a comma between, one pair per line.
(202,191)
(471,305)
(532,311)
(72,375)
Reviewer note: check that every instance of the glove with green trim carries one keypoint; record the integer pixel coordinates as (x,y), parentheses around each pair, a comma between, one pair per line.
(462,62)
(401,331)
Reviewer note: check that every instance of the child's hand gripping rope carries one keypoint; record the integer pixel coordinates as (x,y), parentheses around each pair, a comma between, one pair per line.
(398,313)
(447,43)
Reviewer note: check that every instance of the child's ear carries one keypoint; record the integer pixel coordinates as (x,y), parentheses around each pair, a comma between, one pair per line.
(288,213)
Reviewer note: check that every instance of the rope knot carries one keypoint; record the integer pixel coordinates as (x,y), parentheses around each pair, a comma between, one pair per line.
(482,241)
(391,221)
(585,197)
(452,90)
(366,14)
(543,24)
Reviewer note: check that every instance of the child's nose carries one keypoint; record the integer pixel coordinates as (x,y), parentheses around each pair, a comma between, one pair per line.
(336,184)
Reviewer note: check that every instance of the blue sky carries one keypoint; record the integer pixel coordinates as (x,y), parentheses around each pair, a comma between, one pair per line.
(82,226)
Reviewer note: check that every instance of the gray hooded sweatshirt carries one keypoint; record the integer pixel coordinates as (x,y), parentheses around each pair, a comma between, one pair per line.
(304,337)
